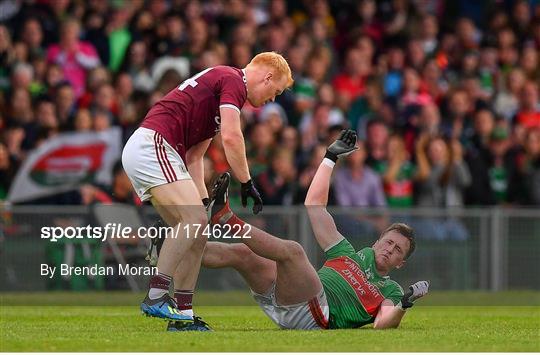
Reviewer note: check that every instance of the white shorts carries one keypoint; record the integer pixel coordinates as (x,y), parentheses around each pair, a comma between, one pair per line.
(309,315)
(150,161)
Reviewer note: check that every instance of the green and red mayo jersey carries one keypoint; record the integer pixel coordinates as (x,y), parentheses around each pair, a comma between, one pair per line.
(353,287)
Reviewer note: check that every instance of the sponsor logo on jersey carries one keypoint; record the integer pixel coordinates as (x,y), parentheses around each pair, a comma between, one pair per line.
(368,293)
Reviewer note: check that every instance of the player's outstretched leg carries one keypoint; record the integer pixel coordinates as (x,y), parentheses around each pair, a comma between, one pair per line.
(296,279)
(258,272)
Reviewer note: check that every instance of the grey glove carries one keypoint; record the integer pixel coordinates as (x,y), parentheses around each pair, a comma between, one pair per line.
(343,146)
(416,290)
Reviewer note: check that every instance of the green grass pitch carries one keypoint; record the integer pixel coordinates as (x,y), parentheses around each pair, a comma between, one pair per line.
(450,321)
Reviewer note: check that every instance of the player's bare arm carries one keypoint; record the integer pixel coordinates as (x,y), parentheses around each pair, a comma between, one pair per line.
(233,143)
(235,152)
(323,225)
(390,316)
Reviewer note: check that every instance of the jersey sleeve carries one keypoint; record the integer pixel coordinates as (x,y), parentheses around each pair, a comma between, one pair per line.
(233,92)
(395,292)
(343,248)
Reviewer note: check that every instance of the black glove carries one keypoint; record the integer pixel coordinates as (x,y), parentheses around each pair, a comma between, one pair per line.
(249,190)
(343,146)
(416,290)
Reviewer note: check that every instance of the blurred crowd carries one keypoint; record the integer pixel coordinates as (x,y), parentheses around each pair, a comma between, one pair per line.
(444,95)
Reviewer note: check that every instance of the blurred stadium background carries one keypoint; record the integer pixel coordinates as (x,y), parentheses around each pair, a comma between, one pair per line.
(444,96)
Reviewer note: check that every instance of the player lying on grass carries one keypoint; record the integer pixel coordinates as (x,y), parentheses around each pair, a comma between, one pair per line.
(352,289)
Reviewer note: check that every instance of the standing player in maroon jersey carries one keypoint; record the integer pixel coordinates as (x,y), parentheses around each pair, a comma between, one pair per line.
(164,161)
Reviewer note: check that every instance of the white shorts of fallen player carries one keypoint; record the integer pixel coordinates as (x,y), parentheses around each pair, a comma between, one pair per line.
(309,315)
(150,161)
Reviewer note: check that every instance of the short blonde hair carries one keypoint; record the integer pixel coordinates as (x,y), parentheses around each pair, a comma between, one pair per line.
(275,61)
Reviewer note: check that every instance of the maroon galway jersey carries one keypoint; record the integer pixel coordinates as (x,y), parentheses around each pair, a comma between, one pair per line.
(189,114)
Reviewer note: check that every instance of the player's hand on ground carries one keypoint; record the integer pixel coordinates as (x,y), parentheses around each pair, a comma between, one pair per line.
(417,290)
(249,190)
(343,146)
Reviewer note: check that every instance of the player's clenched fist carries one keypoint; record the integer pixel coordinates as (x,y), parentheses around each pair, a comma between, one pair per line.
(416,290)
(343,146)
(249,190)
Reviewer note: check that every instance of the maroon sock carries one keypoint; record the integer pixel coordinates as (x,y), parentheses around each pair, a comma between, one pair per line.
(184,299)
(159,285)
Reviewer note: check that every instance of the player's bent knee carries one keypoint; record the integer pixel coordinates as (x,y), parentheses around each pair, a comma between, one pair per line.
(295,250)
(246,261)
(242,251)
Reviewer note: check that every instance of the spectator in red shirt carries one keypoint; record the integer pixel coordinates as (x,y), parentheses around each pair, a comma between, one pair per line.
(528,115)
(350,84)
